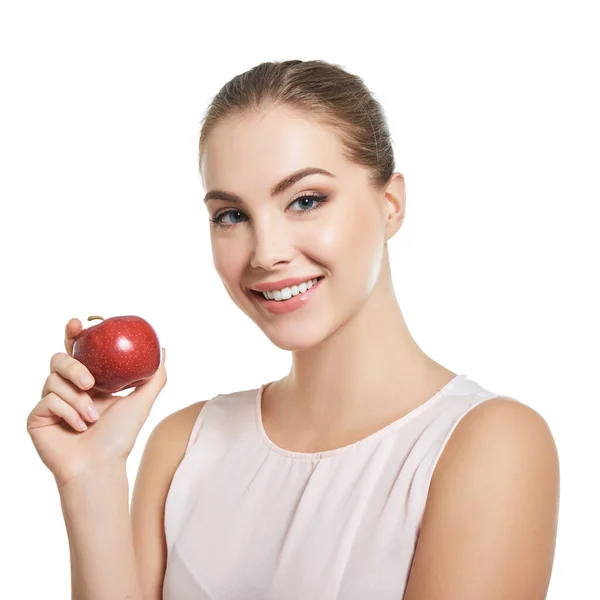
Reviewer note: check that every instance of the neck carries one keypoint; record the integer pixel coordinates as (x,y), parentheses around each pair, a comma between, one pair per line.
(371,366)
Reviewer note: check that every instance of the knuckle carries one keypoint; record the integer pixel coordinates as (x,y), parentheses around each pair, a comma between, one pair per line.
(53,360)
(74,372)
(53,378)
(51,397)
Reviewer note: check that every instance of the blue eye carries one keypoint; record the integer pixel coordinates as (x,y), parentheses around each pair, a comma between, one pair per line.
(218,219)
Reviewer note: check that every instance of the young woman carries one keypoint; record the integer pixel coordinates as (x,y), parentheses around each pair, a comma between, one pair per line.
(369,470)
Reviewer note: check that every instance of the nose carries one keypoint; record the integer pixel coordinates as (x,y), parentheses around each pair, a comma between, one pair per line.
(271,245)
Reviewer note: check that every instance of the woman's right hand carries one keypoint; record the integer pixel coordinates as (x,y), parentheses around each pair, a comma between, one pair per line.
(54,423)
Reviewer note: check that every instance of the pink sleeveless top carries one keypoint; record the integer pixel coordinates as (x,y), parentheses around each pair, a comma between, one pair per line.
(248,520)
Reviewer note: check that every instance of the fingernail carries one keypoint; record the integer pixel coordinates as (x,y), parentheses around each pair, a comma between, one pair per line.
(85,380)
(93,412)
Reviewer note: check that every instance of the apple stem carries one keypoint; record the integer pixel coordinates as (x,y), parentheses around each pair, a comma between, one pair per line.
(92,318)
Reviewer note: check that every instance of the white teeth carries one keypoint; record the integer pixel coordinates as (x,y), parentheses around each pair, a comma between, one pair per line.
(288,292)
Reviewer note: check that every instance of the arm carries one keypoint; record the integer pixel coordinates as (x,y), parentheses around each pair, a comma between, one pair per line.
(115,555)
(489,528)
(163,454)
(96,513)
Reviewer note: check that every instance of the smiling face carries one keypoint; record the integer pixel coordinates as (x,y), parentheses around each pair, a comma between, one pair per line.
(338,231)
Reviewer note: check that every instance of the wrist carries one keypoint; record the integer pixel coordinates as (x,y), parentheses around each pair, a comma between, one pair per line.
(93,477)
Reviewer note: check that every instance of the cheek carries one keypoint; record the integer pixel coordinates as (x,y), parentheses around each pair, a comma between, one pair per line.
(227,260)
(333,238)
(354,245)
(354,235)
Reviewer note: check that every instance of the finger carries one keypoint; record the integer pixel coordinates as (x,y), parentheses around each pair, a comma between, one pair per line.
(53,409)
(72,330)
(72,395)
(71,369)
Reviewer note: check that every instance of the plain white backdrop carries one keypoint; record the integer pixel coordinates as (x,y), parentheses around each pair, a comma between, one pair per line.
(493,108)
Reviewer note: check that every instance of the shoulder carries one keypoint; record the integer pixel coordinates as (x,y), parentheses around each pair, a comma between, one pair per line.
(185,414)
(167,442)
(498,429)
(164,451)
(498,438)
(493,499)
(178,426)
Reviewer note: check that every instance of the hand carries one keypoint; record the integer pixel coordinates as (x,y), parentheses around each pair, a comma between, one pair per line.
(54,423)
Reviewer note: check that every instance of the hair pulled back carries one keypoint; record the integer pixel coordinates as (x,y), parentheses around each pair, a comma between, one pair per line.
(324,92)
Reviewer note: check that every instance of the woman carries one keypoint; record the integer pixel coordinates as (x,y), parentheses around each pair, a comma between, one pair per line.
(369,469)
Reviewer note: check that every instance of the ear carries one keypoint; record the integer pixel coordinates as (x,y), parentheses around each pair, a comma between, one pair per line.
(394,205)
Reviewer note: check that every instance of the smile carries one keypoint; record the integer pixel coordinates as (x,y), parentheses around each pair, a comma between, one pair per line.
(292,302)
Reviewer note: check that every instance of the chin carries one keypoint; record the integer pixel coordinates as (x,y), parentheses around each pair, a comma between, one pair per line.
(295,341)
(292,347)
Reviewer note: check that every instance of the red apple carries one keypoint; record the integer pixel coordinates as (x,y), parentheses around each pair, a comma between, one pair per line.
(120,352)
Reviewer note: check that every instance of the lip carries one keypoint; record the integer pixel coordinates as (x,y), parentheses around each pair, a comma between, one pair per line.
(285,306)
(279,285)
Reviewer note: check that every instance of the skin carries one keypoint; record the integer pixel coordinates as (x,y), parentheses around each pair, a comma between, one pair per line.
(490,520)
(355,365)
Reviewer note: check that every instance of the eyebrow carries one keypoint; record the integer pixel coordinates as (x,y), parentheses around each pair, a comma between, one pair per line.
(277,189)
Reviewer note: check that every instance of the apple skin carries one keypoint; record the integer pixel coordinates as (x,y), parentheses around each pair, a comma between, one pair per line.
(120,352)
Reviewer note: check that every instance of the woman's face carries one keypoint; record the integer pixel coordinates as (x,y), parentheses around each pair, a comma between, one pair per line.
(265,238)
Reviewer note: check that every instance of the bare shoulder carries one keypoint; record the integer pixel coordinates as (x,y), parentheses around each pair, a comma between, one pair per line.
(493,500)
(500,421)
(169,438)
(182,420)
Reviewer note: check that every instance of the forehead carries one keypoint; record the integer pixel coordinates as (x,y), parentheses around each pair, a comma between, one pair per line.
(257,149)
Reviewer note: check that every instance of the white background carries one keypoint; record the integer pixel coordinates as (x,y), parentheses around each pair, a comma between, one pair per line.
(493,108)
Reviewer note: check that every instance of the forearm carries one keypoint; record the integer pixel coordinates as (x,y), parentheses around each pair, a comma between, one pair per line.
(96,513)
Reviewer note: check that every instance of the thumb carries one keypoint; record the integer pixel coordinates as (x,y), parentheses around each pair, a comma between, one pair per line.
(148,392)
(158,380)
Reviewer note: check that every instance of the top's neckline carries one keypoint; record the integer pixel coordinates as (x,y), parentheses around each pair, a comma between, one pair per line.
(400,422)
